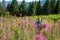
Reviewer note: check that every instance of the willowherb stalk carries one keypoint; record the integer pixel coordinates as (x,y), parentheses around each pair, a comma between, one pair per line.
(15,16)
(40,37)
(1,23)
(8,26)
(47,28)
(25,22)
(56,25)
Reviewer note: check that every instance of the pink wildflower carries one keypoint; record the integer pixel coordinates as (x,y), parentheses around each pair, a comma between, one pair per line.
(53,31)
(44,25)
(56,25)
(15,16)
(0,20)
(35,26)
(33,21)
(12,33)
(25,22)
(47,27)
(25,31)
(40,37)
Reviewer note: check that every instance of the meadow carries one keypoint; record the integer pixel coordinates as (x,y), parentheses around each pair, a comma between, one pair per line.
(22,28)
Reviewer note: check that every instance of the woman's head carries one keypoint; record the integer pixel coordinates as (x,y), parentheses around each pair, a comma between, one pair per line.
(39,19)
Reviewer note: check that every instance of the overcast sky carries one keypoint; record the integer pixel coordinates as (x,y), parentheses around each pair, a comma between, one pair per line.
(21,0)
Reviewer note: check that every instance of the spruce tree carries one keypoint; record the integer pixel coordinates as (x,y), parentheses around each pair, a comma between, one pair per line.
(3,7)
(32,8)
(0,9)
(38,10)
(57,7)
(0,4)
(46,8)
(53,4)
(9,7)
(29,9)
(14,7)
(20,9)
(3,4)
(23,8)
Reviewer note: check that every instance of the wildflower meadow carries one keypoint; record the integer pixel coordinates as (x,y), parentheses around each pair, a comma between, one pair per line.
(29,19)
(23,28)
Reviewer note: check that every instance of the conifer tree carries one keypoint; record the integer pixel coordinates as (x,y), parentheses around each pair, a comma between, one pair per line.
(46,7)
(23,8)
(53,4)
(57,7)
(38,10)
(32,8)
(14,7)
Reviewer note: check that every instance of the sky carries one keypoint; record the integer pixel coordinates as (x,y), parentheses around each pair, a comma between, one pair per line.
(21,0)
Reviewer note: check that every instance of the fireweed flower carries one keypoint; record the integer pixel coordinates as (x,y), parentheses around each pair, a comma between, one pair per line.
(33,21)
(14,16)
(35,26)
(47,28)
(43,25)
(12,33)
(53,31)
(15,23)
(8,24)
(40,37)
(25,21)
(18,27)
(0,20)
(25,25)
(25,30)
(4,37)
(1,23)
(56,25)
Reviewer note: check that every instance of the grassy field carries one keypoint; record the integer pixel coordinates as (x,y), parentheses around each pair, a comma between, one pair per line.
(21,28)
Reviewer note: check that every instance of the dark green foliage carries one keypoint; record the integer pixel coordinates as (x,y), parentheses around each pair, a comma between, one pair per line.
(0,4)
(3,7)
(16,35)
(22,32)
(3,4)
(32,9)
(14,7)
(29,9)
(57,7)
(0,31)
(46,7)
(52,5)
(39,8)
(9,7)
(23,8)
(1,11)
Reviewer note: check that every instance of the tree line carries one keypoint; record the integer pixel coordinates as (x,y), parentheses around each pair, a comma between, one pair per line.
(34,8)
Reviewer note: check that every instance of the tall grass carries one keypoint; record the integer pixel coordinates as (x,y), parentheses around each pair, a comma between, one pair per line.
(18,28)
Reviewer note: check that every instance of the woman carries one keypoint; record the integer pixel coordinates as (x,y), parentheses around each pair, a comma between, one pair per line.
(38,25)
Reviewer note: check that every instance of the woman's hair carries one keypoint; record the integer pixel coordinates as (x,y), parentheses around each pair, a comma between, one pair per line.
(39,19)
